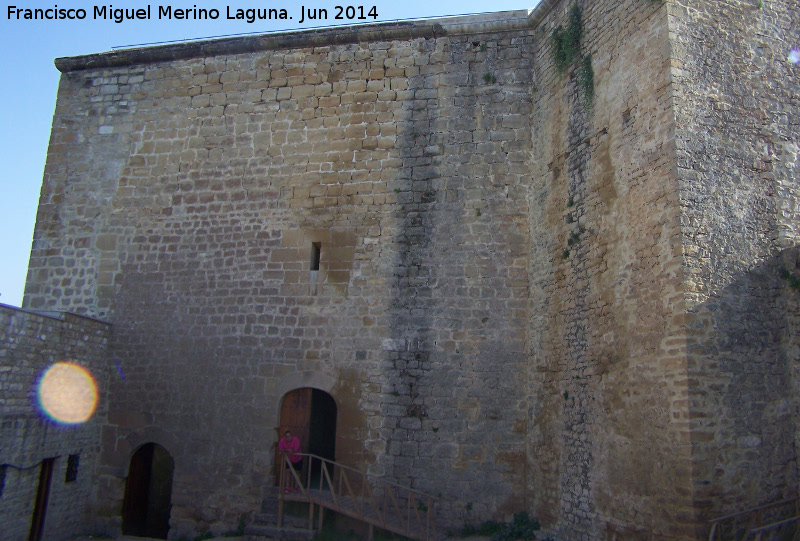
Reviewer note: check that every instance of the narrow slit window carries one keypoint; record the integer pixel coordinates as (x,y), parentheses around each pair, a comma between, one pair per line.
(72,468)
(2,479)
(316,251)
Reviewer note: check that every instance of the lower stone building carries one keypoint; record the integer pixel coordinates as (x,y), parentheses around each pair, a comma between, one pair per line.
(539,261)
(49,444)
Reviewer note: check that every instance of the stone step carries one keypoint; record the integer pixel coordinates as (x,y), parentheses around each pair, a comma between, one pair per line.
(269,519)
(283,534)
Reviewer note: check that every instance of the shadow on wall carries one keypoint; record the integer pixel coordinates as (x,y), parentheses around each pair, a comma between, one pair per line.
(743,358)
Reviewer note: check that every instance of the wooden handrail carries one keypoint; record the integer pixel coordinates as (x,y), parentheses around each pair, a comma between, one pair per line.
(410,523)
(759,532)
(753,510)
(716,523)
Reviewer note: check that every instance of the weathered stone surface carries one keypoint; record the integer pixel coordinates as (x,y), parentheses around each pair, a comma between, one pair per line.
(525,300)
(736,109)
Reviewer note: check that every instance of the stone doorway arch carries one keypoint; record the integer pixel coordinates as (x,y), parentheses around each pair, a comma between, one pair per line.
(148,493)
(311,416)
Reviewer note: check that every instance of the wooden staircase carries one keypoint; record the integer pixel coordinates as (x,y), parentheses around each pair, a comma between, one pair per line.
(325,484)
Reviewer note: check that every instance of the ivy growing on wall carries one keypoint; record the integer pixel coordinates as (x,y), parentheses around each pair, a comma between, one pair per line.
(567,41)
(566,45)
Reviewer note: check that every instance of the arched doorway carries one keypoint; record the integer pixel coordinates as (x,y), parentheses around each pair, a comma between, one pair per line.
(148,493)
(311,416)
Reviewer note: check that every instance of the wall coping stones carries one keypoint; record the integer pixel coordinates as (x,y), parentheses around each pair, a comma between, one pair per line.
(502,21)
(52,314)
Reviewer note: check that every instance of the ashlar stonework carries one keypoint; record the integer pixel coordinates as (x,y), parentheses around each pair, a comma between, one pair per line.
(567,292)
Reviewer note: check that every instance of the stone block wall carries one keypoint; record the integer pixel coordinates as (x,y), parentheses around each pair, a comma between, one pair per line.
(609,447)
(402,163)
(737,113)
(512,303)
(29,344)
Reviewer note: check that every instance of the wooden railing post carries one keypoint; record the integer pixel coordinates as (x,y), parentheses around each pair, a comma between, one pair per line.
(713,531)
(339,490)
(331,482)
(308,473)
(428,522)
(408,522)
(281,476)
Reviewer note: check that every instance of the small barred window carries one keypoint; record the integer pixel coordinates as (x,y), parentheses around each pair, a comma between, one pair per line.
(72,468)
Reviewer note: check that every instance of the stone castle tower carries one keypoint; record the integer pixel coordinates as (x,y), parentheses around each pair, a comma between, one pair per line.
(540,261)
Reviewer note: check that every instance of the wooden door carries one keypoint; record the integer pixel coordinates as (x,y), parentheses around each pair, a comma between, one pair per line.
(295,417)
(137,487)
(42,496)
(148,493)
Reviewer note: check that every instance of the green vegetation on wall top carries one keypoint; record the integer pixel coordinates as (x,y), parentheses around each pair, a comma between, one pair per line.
(567,41)
(566,45)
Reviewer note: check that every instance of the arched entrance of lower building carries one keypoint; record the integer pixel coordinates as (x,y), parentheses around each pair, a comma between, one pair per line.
(310,414)
(148,493)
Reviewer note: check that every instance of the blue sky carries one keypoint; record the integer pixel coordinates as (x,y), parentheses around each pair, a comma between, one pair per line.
(29,82)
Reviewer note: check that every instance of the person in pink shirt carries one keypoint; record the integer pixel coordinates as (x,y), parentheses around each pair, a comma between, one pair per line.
(290,445)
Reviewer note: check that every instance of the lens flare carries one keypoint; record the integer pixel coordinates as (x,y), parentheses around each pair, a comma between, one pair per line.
(120,372)
(68,393)
(794,55)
